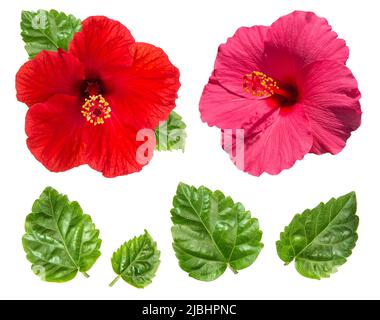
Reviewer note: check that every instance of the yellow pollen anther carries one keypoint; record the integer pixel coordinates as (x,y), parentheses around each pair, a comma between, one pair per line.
(259,84)
(96,109)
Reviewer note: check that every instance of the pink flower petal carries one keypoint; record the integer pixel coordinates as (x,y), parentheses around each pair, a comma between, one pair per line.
(223,109)
(242,54)
(277,145)
(330,99)
(307,37)
(314,105)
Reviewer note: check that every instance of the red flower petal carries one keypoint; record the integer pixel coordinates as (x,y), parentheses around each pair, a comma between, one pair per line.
(49,73)
(112,148)
(306,37)
(103,46)
(136,79)
(54,131)
(223,109)
(277,144)
(145,94)
(331,103)
(242,54)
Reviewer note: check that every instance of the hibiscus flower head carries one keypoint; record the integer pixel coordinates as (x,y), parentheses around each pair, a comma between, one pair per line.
(87,105)
(287,86)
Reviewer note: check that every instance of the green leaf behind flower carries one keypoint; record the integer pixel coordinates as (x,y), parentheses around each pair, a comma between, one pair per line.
(321,239)
(59,239)
(136,261)
(171,135)
(47,30)
(211,233)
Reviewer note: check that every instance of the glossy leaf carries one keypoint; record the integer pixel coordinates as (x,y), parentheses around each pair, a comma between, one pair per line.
(47,30)
(211,233)
(59,239)
(321,239)
(171,135)
(136,261)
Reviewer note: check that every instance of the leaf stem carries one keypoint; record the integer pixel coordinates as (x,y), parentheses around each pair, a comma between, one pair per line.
(233,270)
(114,281)
(86,275)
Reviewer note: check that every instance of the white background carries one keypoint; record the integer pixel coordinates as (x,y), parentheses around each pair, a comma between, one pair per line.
(190,32)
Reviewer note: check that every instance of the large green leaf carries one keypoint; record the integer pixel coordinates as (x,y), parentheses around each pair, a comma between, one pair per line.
(211,233)
(47,30)
(321,239)
(136,261)
(60,240)
(171,135)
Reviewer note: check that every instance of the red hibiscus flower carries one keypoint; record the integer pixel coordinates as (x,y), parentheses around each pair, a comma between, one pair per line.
(288,88)
(87,105)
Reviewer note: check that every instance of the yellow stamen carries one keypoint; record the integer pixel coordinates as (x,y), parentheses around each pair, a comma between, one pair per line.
(260,85)
(96,109)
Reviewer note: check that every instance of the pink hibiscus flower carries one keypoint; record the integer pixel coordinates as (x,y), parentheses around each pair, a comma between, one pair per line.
(288,87)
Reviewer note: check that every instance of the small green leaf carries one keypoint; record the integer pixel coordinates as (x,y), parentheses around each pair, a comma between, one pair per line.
(211,233)
(47,30)
(171,135)
(59,239)
(136,261)
(321,239)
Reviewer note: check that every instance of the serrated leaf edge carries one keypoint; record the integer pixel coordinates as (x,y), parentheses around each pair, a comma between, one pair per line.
(145,235)
(213,193)
(49,190)
(349,195)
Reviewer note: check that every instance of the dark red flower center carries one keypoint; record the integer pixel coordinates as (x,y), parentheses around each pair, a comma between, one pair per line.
(260,85)
(92,88)
(95,108)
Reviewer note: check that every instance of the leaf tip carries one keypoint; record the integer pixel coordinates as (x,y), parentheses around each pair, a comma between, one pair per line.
(352,194)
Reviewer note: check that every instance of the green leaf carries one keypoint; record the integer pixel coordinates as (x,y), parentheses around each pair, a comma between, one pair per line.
(321,239)
(136,261)
(47,30)
(211,233)
(60,240)
(171,135)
